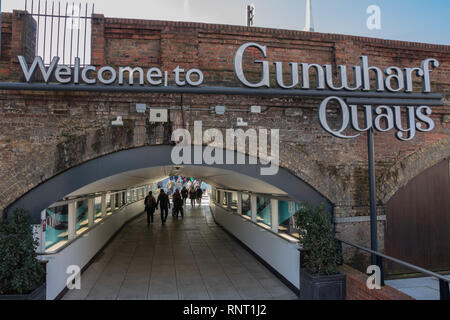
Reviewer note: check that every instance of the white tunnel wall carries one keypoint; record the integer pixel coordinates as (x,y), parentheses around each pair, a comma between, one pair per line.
(84,248)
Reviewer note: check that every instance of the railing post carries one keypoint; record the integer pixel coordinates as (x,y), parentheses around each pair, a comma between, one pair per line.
(91,203)
(112,201)
(103,204)
(128,195)
(274,214)
(42,229)
(72,220)
(253,206)
(239,203)
(444,290)
(119,202)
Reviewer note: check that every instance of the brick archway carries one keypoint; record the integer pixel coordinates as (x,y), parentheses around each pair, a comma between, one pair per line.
(77,174)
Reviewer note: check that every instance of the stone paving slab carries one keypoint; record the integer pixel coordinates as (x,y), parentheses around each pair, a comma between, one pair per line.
(424,288)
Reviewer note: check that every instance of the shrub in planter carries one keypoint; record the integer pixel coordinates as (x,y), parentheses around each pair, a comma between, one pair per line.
(319,276)
(20,271)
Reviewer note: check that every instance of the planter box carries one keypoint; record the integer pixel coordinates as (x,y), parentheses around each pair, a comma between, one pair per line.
(37,294)
(313,287)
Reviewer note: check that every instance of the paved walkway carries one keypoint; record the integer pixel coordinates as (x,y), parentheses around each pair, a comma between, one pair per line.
(191,258)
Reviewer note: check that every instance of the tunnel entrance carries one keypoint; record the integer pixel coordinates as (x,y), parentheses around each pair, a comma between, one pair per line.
(254,210)
(93,175)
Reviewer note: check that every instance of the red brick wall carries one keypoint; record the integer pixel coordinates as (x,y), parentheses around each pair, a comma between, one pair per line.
(356,288)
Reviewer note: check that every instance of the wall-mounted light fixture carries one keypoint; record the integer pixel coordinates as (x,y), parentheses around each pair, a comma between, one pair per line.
(117,122)
(141,107)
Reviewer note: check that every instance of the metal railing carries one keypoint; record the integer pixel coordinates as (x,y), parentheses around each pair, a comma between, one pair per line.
(59,29)
(443,281)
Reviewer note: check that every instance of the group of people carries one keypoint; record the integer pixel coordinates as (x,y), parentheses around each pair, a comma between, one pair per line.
(178,200)
(194,194)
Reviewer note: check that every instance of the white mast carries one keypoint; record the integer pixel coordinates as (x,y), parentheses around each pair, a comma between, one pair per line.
(309,25)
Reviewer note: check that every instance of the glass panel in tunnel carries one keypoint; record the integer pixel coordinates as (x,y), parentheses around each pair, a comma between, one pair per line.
(263,212)
(286,220)
(225,199)
(57,218)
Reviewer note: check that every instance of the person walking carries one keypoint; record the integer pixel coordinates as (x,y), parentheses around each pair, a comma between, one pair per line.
(164,205)
(150,205)
(184,194)
(199,193)
(192,196)
(177,203)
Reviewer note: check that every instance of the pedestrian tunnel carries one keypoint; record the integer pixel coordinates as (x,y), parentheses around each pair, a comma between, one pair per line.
(77,212)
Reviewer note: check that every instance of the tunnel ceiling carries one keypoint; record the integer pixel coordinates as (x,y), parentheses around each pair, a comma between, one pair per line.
(214,176)
(139,166)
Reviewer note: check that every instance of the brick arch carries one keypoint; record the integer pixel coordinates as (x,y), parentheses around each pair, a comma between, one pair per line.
(54,164)
(406,169)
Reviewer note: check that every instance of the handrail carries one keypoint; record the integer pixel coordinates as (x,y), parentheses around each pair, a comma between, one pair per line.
(444,289)
(406,264)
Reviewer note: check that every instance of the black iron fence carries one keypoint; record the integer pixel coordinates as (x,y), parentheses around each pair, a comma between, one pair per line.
(62,30)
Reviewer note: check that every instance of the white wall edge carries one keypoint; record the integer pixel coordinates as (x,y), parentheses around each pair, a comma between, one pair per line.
(85,247)
(280,254)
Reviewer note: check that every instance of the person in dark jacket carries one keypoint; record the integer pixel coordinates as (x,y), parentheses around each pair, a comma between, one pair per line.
(184,194)
(192,196)
(164,205)
(150,205)
(199,195)
(177,203)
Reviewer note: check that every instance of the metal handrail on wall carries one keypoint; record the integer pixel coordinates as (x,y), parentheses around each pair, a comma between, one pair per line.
(444,282)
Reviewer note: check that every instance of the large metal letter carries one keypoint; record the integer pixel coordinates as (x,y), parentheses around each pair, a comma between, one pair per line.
(239,71)
(345,117)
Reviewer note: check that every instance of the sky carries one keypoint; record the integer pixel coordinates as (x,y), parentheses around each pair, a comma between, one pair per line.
(410,20)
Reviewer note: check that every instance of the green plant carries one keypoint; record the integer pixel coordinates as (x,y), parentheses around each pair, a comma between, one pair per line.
(20,271)
(320,249)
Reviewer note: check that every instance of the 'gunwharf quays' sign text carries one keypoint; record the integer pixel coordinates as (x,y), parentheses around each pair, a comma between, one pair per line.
(382,118)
